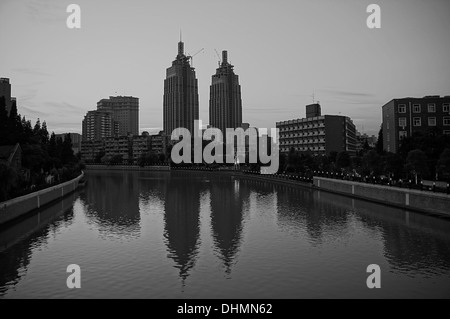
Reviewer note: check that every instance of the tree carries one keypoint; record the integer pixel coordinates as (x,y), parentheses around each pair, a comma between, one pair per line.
(51,149)
(443,165)
(9,179)
(44,134)
(27,131)
(343,160)
(37,127)
(416,163)
(99,156)
(371,163)
(66,150)
(116,159)
(393,164)
(293,161)
(379,146)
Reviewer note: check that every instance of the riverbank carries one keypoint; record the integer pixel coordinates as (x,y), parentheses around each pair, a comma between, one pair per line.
(128,167)
(415,200)
(20,206)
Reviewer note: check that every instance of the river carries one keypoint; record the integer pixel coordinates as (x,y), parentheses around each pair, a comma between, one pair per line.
(202,235)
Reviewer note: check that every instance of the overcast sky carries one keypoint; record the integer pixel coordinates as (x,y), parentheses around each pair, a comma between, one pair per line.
(282,50)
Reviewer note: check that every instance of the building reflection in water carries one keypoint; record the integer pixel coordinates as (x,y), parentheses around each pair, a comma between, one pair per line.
(19,239)
(411,240)
(227,204)
(112,201)
(181,220)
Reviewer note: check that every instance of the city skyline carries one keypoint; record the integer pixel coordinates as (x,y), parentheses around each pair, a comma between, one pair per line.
(304,48)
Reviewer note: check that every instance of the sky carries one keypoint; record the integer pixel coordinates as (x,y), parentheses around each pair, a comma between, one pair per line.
(283,51)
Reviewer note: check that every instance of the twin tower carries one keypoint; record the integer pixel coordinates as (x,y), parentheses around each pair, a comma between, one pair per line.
(180,103)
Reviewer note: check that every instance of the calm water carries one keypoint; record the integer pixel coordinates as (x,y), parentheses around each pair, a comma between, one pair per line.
(196,235)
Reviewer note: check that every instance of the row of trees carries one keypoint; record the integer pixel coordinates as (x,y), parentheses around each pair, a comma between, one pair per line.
(42,154)
(424,155)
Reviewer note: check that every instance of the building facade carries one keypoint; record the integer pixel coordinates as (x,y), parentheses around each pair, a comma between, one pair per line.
(124,111)
(180,99)
(140,145)
(319,135)
(404,117)
(5,91)
(121,145)
(92,150)
(98,125)
(225,104)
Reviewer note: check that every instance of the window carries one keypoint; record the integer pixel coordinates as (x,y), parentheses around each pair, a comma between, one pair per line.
(447,132)
(416,108)
(402,121)
(446,120)
(431,121)
(402,134)
(402,108)
(387,125)
(417,121)
(446,108)
(431,108)
(388,138)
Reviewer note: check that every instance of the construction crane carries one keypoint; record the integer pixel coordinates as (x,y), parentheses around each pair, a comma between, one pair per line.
(218,55)
(192,56)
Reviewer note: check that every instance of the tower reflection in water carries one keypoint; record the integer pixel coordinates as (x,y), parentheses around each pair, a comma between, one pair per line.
(181,221)
(227,204)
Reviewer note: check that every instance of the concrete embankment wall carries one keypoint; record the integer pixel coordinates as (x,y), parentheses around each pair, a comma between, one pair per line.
(422,201)
(20,206)
(127,168)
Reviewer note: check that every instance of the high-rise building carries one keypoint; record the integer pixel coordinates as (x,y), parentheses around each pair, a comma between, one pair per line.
(403,117)
(320,135)
(180,100)
(225,104)
(5,91)
(125,112)
(98,125)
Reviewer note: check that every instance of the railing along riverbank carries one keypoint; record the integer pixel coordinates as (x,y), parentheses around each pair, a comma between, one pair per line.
(425,201)
(20,206)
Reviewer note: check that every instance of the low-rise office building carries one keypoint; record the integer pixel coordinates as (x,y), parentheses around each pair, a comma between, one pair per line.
(318,134)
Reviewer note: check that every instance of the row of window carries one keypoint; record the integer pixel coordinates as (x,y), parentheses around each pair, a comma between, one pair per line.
(417,108)
(293,128)
(403,134)
(417,121)
(286,135)
(304,149)
(302,142)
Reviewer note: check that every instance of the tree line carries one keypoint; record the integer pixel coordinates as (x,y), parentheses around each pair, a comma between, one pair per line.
(43,155)
(421,156)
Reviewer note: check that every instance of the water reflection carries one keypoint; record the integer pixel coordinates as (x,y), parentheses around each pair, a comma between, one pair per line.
(181,220)
(227,202)
(112,202)
(193,226)
(19,239)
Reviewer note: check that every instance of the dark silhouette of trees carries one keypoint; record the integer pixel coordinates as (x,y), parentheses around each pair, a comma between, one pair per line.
(416,163)
(443,165)
(379,147)
(343,160)
(41,154)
